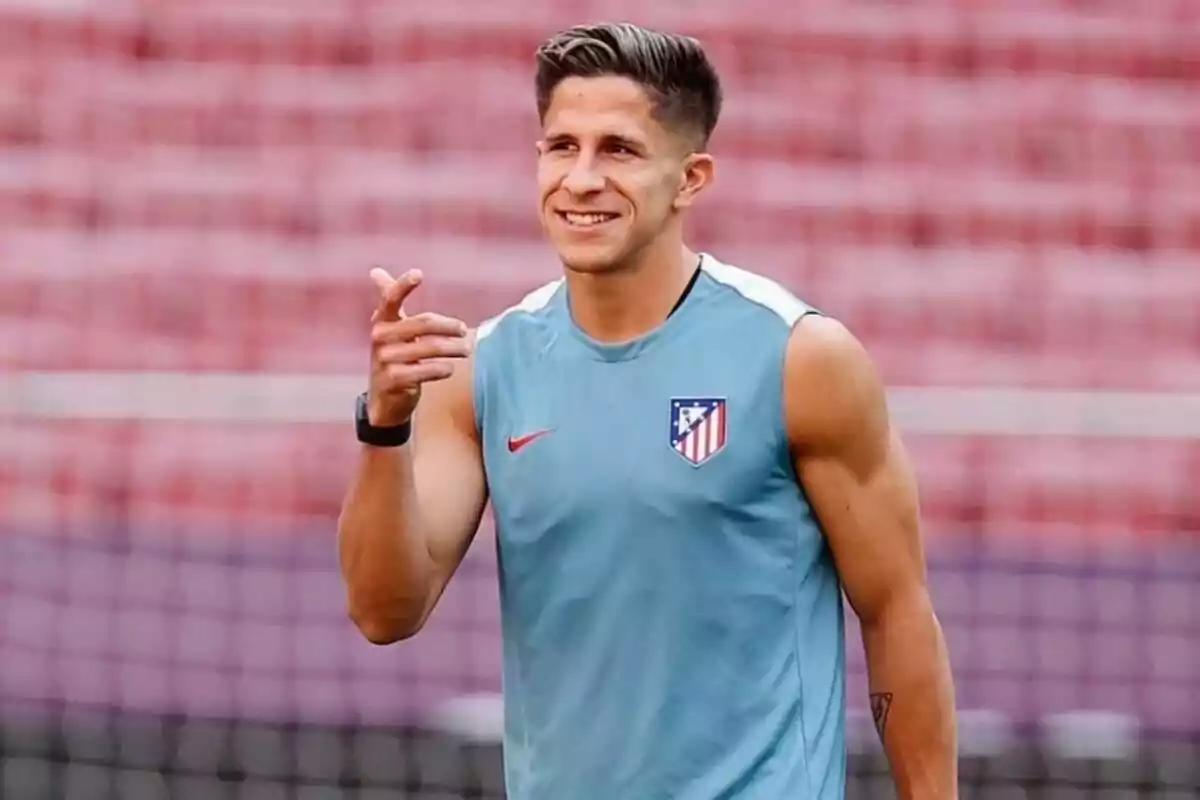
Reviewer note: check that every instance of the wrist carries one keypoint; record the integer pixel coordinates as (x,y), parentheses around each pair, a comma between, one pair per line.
(383,414)
(382,418)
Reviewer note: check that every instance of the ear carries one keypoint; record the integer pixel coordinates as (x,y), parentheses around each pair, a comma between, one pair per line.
(698,173)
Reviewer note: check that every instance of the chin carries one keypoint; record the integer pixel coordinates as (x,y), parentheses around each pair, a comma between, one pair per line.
(592,258)
(590,263)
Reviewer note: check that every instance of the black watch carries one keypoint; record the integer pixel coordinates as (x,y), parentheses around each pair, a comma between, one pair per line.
(393,436)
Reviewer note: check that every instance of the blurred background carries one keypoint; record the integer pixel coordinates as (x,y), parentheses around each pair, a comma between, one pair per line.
(1001,197)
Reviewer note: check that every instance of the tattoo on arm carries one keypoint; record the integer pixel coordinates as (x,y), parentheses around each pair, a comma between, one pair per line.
(881,703)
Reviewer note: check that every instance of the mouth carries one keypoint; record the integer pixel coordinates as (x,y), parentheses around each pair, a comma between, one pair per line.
(586,220)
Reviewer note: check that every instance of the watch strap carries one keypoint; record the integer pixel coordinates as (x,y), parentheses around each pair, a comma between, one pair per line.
(377,436)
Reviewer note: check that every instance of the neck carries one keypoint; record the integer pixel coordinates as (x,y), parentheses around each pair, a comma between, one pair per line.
(629,302)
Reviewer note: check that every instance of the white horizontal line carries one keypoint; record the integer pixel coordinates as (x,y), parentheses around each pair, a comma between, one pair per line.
(1046,412)
(291,398)
(181,396)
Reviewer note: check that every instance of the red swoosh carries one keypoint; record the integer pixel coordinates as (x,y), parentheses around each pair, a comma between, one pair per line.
(515,443)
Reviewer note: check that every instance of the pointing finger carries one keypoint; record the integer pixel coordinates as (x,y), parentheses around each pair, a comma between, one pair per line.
(393,292)
(383,280)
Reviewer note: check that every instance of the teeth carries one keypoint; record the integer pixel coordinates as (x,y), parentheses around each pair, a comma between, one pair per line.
(588,219)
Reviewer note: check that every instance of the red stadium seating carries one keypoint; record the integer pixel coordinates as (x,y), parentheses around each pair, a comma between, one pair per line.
(172,171)
(167,204)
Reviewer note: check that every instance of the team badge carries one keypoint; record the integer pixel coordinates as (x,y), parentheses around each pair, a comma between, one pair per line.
(697,427)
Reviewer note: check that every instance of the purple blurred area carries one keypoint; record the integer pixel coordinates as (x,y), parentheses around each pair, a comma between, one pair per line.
(260,633)
(1000,197)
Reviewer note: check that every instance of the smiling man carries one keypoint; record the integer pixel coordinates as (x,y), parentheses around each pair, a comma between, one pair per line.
(687,465)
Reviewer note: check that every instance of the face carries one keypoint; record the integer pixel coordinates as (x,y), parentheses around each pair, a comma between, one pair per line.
(611,179)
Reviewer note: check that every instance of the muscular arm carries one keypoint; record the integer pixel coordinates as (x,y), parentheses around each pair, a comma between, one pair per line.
(858,479)
(410,515)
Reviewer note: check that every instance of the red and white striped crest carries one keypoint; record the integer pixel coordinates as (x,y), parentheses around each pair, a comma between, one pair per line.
(698,427)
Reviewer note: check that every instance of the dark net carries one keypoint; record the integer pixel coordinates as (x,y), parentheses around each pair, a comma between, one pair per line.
(1002,198)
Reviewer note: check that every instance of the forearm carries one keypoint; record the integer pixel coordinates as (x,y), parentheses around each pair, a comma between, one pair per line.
(912,698)
(384,557)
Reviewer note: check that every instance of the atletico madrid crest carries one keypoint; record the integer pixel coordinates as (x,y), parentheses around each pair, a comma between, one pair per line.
(697,427)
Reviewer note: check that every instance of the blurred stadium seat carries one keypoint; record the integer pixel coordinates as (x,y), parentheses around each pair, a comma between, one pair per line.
(1002,197)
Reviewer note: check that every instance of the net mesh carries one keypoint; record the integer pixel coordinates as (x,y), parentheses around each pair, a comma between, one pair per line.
(1001,197)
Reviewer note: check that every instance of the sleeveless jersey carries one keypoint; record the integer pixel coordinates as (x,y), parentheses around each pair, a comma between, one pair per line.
(672,620)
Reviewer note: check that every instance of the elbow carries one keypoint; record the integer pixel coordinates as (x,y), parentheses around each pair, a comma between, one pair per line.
(384,629)
(901,609)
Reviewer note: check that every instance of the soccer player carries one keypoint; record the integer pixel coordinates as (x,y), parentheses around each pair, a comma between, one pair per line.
(687,467)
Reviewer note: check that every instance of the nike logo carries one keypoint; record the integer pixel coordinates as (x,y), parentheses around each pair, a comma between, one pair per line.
(515,443)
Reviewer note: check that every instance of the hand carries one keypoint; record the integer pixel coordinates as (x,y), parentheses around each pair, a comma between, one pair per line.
(407,351)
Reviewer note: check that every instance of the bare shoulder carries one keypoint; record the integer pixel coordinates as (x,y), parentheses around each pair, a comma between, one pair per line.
(833,393)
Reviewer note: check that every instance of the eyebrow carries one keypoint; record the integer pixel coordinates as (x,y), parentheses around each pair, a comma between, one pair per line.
(608,138)
(624,141)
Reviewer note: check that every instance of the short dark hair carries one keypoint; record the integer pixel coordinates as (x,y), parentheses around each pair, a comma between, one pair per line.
(673,69)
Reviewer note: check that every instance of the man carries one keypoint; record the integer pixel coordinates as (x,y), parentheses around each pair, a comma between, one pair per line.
(686,465)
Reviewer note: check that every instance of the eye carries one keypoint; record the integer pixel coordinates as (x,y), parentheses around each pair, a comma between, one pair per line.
(560,146)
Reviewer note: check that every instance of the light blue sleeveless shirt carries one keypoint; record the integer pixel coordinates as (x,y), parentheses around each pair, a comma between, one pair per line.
(671,615)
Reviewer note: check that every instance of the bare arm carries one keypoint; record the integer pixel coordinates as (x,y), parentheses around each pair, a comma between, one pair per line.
(857,476)
(411,512)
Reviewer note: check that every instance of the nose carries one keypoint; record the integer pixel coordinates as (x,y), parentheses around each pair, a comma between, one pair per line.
(583,178)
